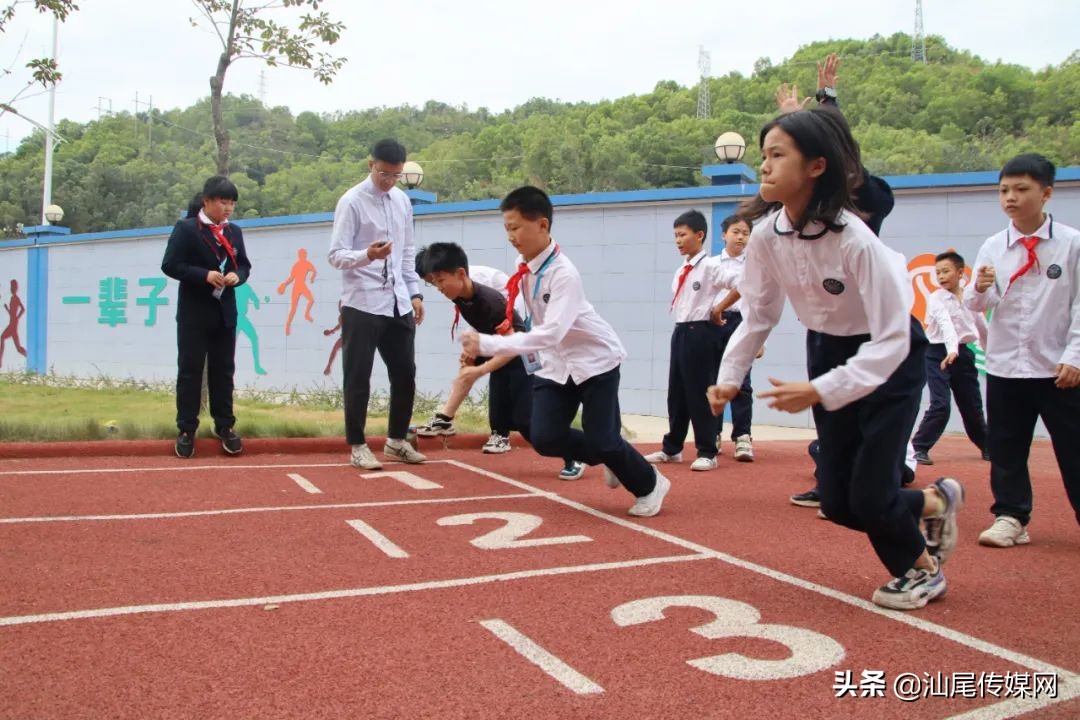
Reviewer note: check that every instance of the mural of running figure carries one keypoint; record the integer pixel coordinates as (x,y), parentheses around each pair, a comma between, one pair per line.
(298,277)
(245,296)
(337,345)
(15,310)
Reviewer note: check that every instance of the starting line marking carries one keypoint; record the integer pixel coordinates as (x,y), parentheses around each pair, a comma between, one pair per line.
(305,484)
(338,594)
(377,539)
(238,511)
(567,676)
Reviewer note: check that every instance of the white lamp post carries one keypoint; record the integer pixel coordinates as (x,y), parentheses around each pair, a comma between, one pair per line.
(412,175)
(730,147)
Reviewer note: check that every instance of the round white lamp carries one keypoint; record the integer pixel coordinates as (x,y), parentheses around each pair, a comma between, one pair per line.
(730,147)
(412,175)
(54,213)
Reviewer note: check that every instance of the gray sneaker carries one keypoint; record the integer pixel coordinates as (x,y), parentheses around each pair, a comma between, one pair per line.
(942,531)
(363,458)
(912,591)
(404,453)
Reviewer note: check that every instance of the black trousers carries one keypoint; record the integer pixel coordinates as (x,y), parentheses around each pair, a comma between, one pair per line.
(695,361)
(742,405)
(600,440)
(1012,407)
(215,347)
(862,447)
(510,400)
(962,379)
(363,334)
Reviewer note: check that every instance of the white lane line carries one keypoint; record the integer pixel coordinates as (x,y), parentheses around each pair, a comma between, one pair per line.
(1021,706)
(377,539)
(338,594)
(405,478)
(562,673)
(171,468)
(240,511)
(909,619)
(305,484)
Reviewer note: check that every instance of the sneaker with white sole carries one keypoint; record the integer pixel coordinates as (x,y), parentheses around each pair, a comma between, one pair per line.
(662,457)
(404,453)
(437,427)
(1005,532)
(810,498)
(913,590)
(744,449)
(363,458)
(497,444)
(942,531)
(650,504)
(573,471)
(703,463)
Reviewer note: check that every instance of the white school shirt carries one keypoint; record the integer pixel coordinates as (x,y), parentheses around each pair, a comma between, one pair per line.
(574,342)
(497,279)
(695,301)
(840,283)
(365,215)
(730,275)
(948,322)
(1035,324)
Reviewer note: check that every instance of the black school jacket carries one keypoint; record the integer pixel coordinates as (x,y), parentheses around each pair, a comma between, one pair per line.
(189,256)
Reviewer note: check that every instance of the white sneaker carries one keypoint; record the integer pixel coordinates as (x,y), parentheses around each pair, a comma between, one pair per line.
(404,452)
(744,449)
(703,463)
(363,458)
(913,590)
(1005,532)
(609,478)
(941,531)
(650,504)
(662,457)
(497,444)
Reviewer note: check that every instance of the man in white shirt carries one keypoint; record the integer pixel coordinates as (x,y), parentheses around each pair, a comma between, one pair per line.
(950,363)
(574,354)
(1028,275)
(372,244)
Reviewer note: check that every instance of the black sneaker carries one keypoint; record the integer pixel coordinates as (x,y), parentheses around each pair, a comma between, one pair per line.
(810,498)
(230,441)
(923,458)
(185,445)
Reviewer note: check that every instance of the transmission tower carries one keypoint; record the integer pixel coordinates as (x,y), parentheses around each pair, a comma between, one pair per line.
(705,66)
(918,38)
(262,87)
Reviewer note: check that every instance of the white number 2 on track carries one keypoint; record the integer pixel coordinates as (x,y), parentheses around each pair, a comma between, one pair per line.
(509,536)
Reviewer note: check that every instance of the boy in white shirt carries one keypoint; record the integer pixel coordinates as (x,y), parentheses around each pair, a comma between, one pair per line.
(696,347)
(950,363)
(1029,276)
(574,353)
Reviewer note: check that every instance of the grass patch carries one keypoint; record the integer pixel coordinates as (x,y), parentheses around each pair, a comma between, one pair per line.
(53,408)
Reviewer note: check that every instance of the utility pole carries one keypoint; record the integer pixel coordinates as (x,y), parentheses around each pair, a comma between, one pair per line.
(46,198)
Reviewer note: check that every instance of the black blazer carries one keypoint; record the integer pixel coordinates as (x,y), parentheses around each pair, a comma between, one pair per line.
(189,256)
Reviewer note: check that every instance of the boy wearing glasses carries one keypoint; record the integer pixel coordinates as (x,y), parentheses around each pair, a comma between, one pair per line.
(381,305)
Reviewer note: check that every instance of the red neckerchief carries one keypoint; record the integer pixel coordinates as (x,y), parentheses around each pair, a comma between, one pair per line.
(219,235)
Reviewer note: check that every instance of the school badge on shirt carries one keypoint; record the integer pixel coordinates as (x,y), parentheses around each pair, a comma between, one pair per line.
(832,286)
(696,286)
(1053,272)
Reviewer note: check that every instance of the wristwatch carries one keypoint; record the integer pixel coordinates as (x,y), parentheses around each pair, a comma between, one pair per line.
(825,93)
(417,296)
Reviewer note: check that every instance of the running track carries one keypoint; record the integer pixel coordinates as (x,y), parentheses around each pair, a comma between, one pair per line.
(293,586)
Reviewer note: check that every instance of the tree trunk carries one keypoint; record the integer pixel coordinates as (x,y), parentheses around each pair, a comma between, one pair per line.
(221,135)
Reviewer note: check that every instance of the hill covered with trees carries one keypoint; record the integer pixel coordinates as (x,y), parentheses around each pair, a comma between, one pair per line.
(955,113)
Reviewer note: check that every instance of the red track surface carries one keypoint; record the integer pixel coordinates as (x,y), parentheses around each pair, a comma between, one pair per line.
(228,590)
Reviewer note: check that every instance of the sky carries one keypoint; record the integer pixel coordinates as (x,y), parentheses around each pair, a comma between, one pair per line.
(486,53)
